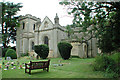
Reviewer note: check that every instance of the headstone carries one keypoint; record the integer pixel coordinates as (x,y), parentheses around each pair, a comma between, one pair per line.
(11,68)
(7,66)
(55,65)
(8,63)
(60,64)
(5,69)
(8,58)
(14,67)
(23,63)
(12,63)
(18,63)
(31,57)
(59,61)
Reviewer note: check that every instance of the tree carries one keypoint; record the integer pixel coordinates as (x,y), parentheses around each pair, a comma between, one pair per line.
(9,22)
(69,30)
(99,18)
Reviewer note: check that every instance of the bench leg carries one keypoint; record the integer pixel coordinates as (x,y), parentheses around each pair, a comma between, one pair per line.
(47,69)
(44,69)
(29,71)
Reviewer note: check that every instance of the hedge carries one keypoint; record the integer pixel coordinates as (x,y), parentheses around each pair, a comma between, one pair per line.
(42,50)
(65,49)
(11,53)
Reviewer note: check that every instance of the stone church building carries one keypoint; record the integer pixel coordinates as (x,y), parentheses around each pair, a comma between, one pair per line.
(33,31)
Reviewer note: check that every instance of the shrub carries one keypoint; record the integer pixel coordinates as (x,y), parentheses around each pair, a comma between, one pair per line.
(65,49)
(109,64)
(103,63)
(4,50)
(116,58)
(42,50)
(11,53)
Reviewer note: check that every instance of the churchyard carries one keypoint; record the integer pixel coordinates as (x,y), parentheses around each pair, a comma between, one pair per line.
(59,68)
(93,36)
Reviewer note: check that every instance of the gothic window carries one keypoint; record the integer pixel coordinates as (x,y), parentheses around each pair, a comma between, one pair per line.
(32,45)
(23,25)
(46,40)
(33,26)
(46,24)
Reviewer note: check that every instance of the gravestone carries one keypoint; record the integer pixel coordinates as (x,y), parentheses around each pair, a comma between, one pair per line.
(8,58)
(14,67)
(12,63)
(60,64)
(18,63)
(7,66)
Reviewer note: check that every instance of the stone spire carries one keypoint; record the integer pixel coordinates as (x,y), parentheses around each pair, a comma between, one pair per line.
(56,19)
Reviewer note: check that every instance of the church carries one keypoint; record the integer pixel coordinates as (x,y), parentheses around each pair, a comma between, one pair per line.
(33,31)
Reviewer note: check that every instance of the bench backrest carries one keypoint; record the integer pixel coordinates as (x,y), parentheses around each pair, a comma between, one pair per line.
(39,64)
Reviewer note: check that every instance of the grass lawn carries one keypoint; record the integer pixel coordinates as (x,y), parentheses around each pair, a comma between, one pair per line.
(0,69)
(72,68)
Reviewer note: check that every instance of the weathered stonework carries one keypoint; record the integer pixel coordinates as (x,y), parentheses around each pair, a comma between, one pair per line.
(34,32)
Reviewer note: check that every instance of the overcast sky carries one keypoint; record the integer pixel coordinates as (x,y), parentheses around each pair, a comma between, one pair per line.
(42,8)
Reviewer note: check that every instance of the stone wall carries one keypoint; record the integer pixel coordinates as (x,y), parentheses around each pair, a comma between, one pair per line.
(55,33)
(79,49)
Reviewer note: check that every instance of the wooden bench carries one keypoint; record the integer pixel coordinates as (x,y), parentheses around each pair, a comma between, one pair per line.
(37,65)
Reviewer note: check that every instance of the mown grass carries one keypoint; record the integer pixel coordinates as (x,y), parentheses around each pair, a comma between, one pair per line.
(72,68)
(0,69)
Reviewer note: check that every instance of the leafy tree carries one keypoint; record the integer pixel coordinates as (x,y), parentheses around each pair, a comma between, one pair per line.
(69,30)
(97,20)
(9,22)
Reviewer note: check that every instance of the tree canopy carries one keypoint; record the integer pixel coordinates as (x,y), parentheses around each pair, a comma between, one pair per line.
(99,18)
(9,22)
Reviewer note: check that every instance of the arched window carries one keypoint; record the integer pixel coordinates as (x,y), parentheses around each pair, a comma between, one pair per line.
(33,26)
(32,45)
(23,25)
(46,40)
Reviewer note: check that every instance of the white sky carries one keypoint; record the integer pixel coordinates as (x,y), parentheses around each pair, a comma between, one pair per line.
(42,8)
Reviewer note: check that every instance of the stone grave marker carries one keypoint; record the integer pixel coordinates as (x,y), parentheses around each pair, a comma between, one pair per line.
(14,67)
(8,58)
(12,63)
(7,66)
